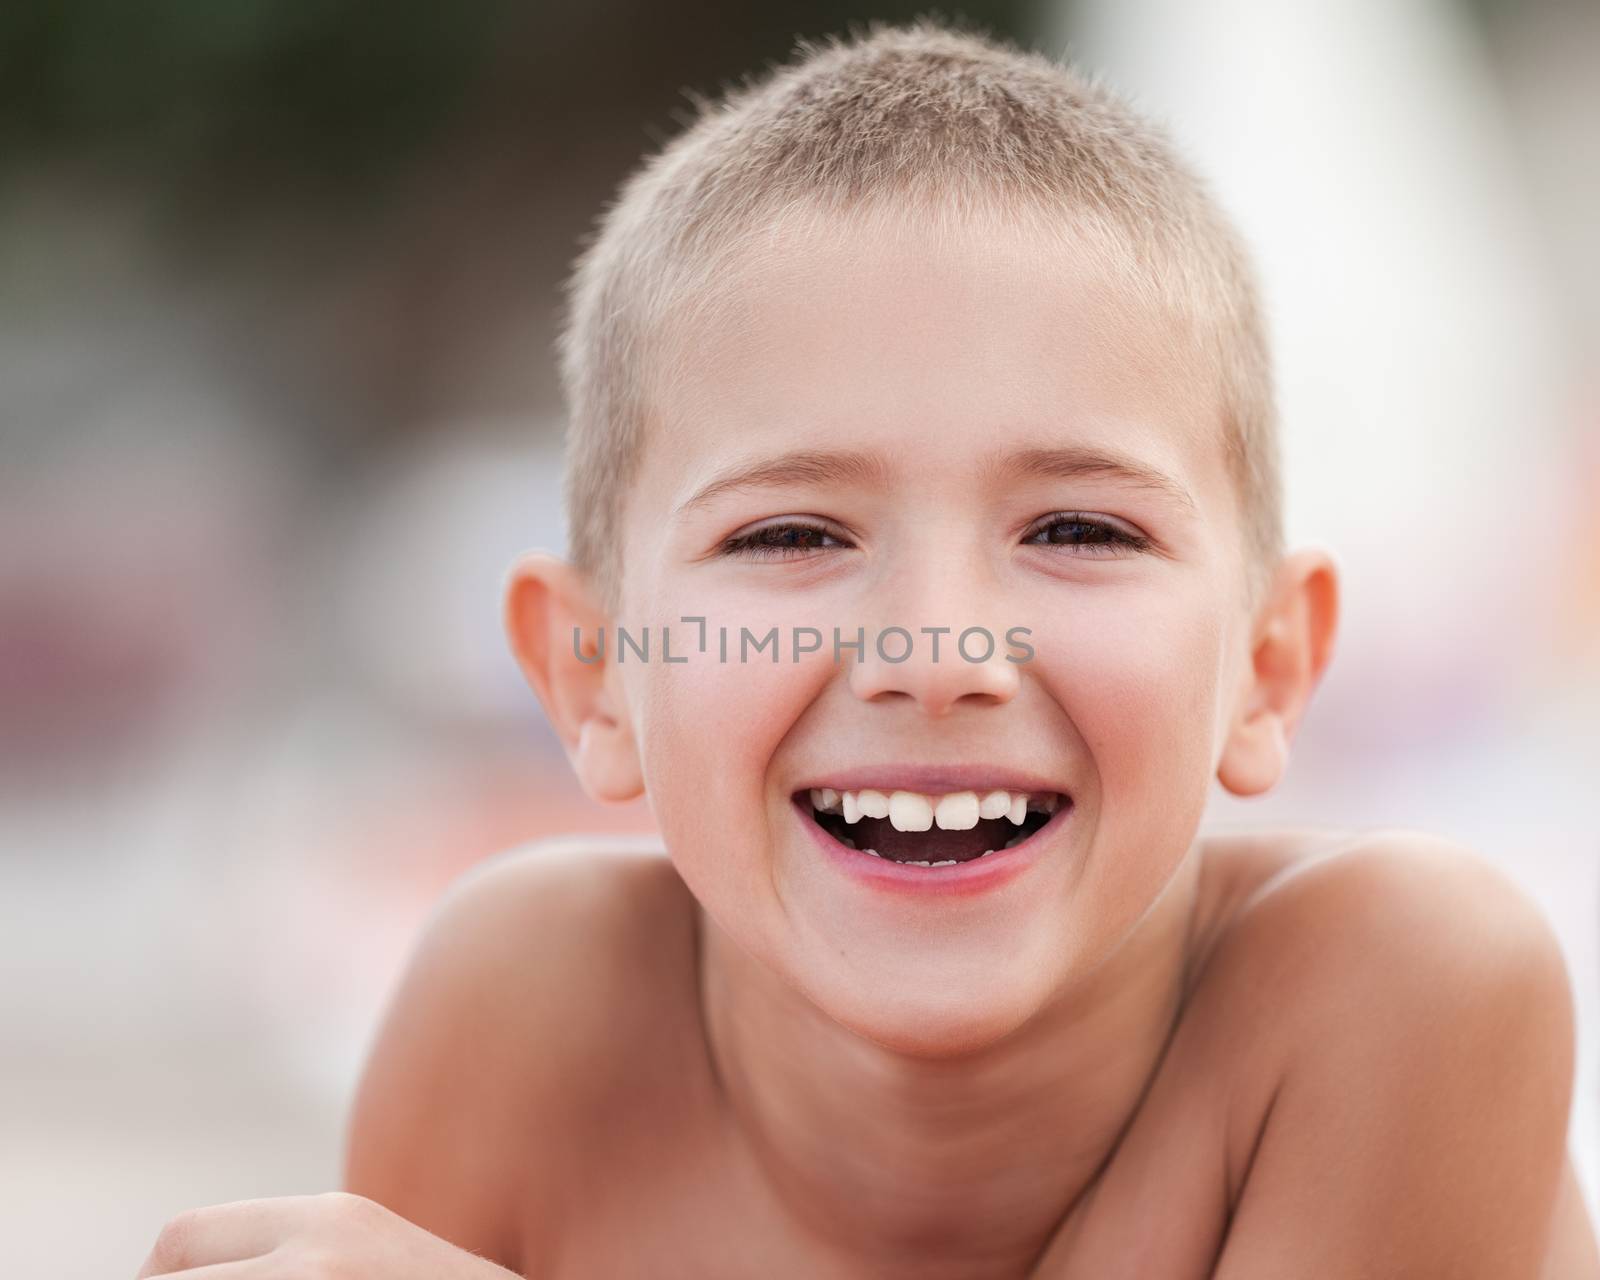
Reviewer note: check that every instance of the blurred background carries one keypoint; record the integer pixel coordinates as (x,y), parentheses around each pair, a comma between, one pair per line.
(278,286)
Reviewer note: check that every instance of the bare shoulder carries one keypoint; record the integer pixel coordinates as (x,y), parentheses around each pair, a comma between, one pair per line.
(547,901)
(1400,918)
(529,965)
(1408,1021)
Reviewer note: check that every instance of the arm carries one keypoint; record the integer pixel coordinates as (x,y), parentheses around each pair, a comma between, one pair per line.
(437,1148)
(423,1189)
(1418,1122)
(424,1138)
(331,1236)
(1573,1254)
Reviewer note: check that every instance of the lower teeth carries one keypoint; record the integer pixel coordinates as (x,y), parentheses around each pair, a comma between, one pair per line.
(1015,840)
(911,862)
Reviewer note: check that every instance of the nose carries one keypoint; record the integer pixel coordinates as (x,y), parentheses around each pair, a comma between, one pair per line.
(937,667)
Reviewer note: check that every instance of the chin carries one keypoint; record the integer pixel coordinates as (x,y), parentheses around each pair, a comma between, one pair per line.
(943,1021)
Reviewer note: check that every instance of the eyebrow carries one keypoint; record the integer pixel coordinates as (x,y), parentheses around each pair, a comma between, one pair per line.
(800,466)
(816,467)
(1074,462)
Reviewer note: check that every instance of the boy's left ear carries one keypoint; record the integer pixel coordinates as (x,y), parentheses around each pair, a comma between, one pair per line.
(1291,642)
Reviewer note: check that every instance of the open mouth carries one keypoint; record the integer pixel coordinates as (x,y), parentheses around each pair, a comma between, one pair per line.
(920,830)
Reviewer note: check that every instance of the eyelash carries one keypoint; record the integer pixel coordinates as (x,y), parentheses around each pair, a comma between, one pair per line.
(1114,535)
(750,546)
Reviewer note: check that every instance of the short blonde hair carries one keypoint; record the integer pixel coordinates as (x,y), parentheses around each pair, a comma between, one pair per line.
(953,126)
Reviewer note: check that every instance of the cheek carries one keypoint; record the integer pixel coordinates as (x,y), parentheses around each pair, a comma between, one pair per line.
(1137,673)
(707,731)
(1142,691)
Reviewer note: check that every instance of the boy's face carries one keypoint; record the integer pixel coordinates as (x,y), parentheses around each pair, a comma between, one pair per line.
(922,383)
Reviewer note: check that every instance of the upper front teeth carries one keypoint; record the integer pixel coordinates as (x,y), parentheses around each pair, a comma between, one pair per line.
(958,812)
(996,804)
(913,811)
(908,811)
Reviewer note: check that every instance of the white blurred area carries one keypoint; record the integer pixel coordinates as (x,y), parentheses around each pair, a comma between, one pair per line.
(257,710)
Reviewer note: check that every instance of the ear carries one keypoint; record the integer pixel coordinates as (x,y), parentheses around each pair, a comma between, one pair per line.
(1291,642)
(550,617)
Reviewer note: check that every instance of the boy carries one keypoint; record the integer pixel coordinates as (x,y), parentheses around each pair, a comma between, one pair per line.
(922,447)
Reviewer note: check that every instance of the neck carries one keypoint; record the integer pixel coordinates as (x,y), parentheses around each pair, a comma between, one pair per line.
(948,1166)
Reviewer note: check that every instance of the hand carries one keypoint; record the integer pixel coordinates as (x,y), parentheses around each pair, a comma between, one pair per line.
(331,1236)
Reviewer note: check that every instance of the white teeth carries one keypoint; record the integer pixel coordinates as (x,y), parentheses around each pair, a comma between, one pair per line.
(986,853)
(873,852)
(957,812)
(915,811)
(948,862)
(908,811)
(995,804)
(916,864)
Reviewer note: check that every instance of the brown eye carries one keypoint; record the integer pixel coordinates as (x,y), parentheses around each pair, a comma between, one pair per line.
(782,541)
(792,537)
(1072,529)
(1078,531)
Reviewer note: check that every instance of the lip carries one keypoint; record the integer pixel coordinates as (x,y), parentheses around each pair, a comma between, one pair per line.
(933,779)
(980,875)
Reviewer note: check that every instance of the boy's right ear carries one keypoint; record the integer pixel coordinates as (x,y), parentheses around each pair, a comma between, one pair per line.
(550,617)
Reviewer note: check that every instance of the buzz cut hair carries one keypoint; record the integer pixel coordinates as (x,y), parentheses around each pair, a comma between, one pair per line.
(928,120)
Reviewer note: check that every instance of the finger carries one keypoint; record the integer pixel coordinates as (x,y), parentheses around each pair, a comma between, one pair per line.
(248,1269)
(223,1233)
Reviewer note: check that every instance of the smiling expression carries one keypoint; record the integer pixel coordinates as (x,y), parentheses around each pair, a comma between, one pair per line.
(888,435)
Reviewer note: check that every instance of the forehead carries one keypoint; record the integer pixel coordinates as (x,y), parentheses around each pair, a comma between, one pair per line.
(938,348)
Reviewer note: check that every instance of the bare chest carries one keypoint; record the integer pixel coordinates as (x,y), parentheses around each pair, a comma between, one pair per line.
(677,1198)
(683,1206)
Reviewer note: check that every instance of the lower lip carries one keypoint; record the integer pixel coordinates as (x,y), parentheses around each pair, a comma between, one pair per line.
(977,875)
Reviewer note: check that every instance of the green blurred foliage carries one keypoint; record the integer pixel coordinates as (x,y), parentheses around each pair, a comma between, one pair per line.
(327,92)
(289,99)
